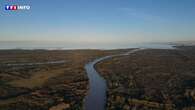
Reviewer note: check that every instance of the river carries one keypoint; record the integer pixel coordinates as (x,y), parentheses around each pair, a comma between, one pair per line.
(96,97)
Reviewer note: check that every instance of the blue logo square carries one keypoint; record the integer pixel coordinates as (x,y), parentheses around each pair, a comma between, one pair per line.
(7,7)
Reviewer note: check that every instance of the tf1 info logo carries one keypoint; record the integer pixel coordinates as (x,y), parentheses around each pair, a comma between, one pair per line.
(17,7)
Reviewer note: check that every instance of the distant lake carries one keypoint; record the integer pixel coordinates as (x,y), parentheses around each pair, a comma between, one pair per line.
(64,46)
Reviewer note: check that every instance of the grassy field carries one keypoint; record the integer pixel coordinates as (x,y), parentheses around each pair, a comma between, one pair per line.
(152,79)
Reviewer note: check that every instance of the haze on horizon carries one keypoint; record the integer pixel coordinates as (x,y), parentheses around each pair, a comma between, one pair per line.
(99,22)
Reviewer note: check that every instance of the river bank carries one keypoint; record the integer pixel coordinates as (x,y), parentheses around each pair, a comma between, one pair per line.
(29,80)
(43,79)
(151,79)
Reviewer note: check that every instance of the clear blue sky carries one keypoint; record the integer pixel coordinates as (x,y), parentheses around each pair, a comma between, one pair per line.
(99,21)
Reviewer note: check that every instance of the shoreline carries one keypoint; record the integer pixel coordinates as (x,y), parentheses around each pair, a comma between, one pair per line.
(61,79)
(118,91)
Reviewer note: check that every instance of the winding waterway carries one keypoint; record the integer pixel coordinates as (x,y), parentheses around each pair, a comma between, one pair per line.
(96,97)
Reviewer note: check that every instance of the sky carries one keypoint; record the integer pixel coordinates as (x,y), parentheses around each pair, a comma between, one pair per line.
(99,22)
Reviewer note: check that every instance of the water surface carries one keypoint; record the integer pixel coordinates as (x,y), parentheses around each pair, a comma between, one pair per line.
(96,97)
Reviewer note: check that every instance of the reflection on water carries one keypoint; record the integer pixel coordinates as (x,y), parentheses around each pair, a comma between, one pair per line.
(96,97)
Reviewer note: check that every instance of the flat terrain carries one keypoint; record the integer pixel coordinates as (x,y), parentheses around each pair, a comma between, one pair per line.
(151,79)
(44,86)
(29,81)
